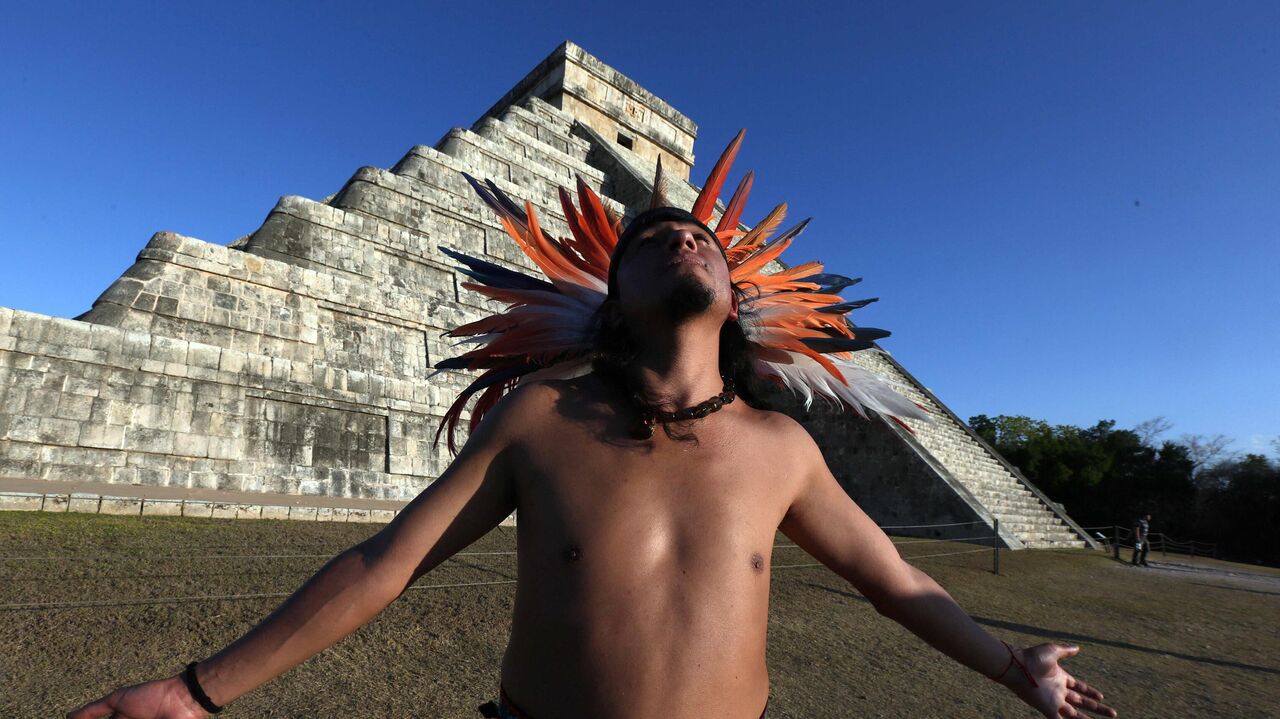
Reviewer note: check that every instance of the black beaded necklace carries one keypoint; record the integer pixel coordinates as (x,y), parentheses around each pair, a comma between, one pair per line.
(651,416)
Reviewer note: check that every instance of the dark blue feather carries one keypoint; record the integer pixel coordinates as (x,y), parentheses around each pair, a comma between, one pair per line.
(507,203)
(453,363)
(484,194)
(831,284)
(865,340)
(843,307)
(488,380)
(497,275)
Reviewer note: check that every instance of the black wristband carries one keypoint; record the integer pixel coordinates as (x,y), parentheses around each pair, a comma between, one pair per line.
(197,692)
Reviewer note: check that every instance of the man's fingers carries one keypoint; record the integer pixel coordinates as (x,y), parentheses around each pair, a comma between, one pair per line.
(1084,689)
(92,710)
(1097,707)
(1078,699)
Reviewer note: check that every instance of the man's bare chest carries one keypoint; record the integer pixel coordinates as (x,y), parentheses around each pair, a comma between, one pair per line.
(673,508)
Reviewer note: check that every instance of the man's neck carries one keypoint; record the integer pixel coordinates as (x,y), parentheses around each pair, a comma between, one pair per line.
(677,366)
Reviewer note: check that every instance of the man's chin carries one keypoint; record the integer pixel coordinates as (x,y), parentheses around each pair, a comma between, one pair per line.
(688,299)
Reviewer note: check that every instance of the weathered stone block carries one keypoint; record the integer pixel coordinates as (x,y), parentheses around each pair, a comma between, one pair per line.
(74,407)
(231,360)
(39,402)
(67,333)
(162,508)
(17,467)
(56,502)
(204,356)
(84,503)
(142,439)
(225,448)
(121,505)
(58,431)
(21,502)
(192,508)
(191,445)
(275,511)
(105,436)
(382,516)
(169,350)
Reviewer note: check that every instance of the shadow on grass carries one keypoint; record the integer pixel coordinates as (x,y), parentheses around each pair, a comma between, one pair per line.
(1056,634)
(1236,589)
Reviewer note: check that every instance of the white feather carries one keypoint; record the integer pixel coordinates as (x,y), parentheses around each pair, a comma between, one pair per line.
(865,390)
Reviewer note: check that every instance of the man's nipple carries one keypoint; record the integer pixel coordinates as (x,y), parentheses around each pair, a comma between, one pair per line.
(757,562)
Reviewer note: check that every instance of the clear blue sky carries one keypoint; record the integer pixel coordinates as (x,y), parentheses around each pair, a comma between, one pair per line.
(1070,209)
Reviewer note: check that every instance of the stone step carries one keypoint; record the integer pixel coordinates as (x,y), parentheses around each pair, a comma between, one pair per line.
(1050,533)
(996,500)
(1055,544)
(543,130)
(557,119)
(1021,528)
(527,149)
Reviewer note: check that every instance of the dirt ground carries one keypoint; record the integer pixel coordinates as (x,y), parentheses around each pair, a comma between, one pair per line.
(1186,638)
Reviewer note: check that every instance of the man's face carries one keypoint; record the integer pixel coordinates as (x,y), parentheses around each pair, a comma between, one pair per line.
(676,270)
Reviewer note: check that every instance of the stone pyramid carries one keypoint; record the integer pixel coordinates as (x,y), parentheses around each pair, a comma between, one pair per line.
(295,361)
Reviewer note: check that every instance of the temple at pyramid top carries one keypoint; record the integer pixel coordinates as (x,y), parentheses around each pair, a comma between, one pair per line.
(615,106)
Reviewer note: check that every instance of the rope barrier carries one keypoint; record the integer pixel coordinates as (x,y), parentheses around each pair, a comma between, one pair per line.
(112,557)
(930,526)
(208,598)
(921,556)
(18,606)
(109,557)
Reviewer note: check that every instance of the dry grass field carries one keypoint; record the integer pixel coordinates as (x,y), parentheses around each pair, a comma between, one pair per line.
(88,602)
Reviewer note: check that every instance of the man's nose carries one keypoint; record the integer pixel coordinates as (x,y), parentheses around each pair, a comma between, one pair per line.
(684,239)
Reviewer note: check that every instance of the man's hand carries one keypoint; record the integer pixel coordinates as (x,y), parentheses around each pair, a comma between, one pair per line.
(1057,694)
(160,699)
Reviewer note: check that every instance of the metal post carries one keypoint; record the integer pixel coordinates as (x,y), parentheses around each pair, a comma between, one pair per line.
(995,545)
(1115,541)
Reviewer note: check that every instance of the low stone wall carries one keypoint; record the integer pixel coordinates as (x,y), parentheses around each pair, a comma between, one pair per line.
(89,503)
(87,402)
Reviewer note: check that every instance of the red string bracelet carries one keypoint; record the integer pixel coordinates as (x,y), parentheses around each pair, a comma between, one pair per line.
(1013,659)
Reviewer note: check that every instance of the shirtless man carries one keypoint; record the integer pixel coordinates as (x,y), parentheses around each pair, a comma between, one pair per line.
(643,586)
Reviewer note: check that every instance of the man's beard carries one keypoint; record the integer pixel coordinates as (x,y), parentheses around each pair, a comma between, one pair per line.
(688,298)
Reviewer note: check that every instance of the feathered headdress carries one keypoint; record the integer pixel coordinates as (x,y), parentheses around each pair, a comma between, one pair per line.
(793,319)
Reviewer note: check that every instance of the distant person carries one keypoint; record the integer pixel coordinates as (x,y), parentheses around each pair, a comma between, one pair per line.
(1141,545)
(647,513)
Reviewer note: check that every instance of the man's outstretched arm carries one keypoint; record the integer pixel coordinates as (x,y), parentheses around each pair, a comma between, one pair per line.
(827,524)
(468,500)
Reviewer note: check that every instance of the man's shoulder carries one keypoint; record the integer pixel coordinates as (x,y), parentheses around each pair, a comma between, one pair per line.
(535,401)
(780,428)
(530,399)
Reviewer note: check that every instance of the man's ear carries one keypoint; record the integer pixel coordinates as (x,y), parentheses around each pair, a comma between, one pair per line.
(733,303)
